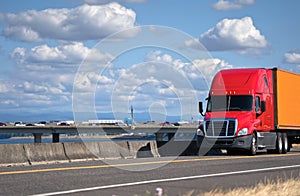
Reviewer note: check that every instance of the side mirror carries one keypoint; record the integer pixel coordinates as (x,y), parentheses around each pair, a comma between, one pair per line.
(201,108)
(263,106)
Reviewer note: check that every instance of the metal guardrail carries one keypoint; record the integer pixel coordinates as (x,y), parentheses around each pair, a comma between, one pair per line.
(38,131)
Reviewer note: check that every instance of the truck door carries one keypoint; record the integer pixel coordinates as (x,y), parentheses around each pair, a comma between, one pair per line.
(258,111)
(266,96)
(268,125)
(264,117)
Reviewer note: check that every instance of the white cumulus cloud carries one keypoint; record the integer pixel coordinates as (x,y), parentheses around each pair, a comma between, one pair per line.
(292,58)
(46,74)
(224,5)
(44,56)
(86,22)
(192,71)
(165,78)
(234,34)
(94,2)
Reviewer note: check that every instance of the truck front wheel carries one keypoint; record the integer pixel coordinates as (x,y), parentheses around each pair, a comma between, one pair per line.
(253,146)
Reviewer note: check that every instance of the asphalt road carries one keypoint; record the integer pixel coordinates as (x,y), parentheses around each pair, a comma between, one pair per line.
(176,176)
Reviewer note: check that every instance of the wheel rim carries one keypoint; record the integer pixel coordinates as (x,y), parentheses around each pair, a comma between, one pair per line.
(253,146)
(285,143)
(280,144)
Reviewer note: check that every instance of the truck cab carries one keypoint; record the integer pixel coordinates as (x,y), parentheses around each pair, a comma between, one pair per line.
(239,112)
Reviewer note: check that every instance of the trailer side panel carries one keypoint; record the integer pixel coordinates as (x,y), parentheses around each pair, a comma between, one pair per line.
(287,100)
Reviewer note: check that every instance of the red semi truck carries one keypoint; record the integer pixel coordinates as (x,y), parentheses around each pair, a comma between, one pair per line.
(251,110)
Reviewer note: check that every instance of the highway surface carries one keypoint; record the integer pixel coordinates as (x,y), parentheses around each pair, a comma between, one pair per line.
(176,176)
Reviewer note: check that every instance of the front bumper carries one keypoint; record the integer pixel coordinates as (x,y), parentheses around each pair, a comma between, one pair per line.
(238,143)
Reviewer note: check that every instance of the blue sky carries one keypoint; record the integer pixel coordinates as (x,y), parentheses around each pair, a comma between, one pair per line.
(44,45)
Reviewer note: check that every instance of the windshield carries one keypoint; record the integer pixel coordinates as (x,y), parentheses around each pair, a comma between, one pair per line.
(230,103)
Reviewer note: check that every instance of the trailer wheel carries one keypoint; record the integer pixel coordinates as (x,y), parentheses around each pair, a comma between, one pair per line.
(253,146)
(279,144)
(285,143)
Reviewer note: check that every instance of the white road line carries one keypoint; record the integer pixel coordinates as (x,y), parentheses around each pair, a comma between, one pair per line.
(165,180)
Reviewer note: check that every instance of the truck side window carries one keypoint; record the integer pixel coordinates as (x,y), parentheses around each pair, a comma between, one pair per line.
(266,81)
(257,104)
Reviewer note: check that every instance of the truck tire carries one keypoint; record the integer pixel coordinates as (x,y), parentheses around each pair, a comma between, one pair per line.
(290,146)
(253,145)
(279,144)
(285,143)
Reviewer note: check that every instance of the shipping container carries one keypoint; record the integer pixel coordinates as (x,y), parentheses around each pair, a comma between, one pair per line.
(287,99)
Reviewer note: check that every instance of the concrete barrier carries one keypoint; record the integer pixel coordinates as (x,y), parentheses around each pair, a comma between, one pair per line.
(12,154)
(79,151)
(140,149)
(154,149)
(115,150)
(110,150)
(97,150)
(144,149)
(44,152)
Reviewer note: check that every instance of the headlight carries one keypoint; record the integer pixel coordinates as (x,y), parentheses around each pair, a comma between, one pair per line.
(200,132)
(243,131)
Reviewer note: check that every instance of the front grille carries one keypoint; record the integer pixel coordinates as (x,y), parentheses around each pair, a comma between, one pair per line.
(220,128)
